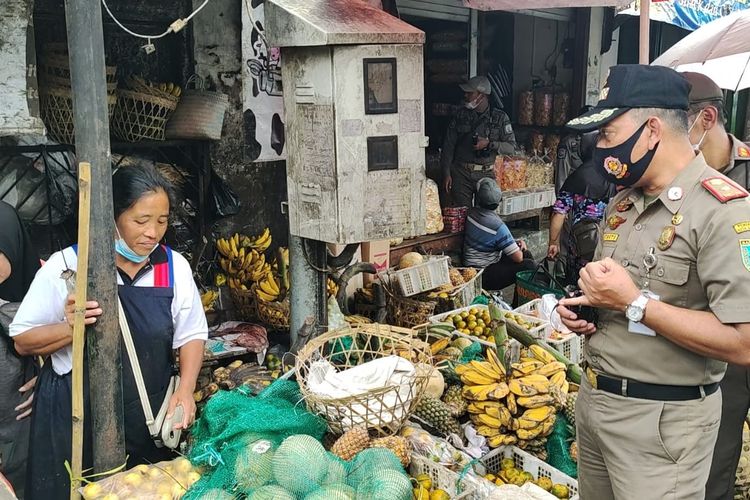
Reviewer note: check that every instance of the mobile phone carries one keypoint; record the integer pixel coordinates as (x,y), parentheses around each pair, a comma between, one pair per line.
(586,313)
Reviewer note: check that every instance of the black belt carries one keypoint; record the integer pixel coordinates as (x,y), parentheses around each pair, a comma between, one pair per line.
(642,390)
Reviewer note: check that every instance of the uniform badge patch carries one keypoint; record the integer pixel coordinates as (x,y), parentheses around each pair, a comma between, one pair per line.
(745,252)
(723,189)
(508,128)
(742,227)
(624,205)
(615,167)
(666,238)
(615,221)
(743,152)
(611,237)
(677,219)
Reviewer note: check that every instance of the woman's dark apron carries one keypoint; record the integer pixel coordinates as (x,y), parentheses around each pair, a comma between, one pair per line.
(149,314)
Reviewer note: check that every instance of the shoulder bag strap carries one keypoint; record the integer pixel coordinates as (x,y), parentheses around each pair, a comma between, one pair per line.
(136,367)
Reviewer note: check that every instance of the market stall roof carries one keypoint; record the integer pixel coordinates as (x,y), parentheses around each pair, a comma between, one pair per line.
(309,23)
(539,4)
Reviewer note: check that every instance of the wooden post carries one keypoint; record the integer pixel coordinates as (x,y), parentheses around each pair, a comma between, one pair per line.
(79,327)
(91,120)
(644,35)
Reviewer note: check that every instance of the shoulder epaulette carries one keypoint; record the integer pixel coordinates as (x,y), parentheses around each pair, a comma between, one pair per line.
(723,189)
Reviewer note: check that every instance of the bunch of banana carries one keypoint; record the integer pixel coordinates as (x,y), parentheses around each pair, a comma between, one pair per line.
(164,89)
(208,299)
(517,407)
(331,287)
(242,264)
(259,243)
(268,289)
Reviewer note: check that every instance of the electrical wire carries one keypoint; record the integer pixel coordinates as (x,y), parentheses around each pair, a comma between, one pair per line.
(173,28)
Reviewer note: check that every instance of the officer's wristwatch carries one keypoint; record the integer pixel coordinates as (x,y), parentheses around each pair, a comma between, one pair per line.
(637,309)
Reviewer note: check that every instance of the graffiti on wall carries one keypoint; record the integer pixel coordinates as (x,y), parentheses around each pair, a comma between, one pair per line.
(263,107)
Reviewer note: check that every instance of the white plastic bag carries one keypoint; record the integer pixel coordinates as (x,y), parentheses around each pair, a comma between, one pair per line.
(434,223)
(547,311)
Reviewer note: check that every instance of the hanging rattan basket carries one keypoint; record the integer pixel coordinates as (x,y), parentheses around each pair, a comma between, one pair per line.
(200,114)
(141,116)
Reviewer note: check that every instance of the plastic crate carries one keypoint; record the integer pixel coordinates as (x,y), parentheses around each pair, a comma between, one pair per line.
(571,346)
(514,202)
(442,478)
(529,463)
(529,308)
(424,277)
(541,198)
(538,331)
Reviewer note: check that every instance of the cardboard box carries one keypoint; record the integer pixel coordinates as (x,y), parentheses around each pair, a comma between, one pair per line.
(378,253)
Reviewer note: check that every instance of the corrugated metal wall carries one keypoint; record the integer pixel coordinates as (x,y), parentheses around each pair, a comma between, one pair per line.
(448,10)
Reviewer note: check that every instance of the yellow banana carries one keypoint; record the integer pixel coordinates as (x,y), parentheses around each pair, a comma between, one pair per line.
(541,354)
(535,401)
(492,358)
(476,407)
(266,287)
(558,379)
(488,420)
(474,378)
(502,440)
(528,434)
(527,368)
(535,416)
(264,296)
(487,369)
(233,248)
(550,369)
(530,385)
(477,392)
(441,344)
(510,402)
(488,431)
(500,391)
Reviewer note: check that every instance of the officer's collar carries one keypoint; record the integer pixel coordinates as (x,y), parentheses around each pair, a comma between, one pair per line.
(683,183)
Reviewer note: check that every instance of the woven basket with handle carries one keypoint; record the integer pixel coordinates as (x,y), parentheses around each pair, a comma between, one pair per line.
(200,114)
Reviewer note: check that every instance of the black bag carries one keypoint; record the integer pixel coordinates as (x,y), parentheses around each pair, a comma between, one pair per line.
(586,237)
(226,202)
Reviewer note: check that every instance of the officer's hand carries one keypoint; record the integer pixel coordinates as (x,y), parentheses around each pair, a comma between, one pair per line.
(24,409)
(448,183)
(553,250)
(482,142)
(570,319)
(606,284)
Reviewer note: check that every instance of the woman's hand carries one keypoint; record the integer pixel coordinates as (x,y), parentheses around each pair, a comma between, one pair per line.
(553,250)
(92,311)
(24,409)
(184,398)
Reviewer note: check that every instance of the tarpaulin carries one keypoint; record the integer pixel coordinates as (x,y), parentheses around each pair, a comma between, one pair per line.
(688,14)
(539,4)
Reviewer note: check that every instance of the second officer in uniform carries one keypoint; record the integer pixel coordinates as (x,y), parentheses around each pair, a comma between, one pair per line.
(474,138)
(670,281)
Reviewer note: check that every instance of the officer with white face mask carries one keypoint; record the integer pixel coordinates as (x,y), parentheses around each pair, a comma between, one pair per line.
(731,157)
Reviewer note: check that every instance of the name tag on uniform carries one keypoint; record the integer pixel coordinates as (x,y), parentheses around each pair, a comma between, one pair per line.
(640,328)
(611,237)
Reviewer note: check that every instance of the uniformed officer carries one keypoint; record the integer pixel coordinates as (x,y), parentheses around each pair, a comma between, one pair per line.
(731,157)
(670,283)
(474,138)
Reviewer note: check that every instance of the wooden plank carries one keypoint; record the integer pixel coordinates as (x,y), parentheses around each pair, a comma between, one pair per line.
(432,243)
(79,326)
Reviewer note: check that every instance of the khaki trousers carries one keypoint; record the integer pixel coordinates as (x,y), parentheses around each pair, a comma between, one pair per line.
(639,449)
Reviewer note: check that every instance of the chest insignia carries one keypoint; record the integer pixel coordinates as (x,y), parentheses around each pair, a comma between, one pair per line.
(615,221)
(610,237)
(743,152)
(745,252)
(677,219)
(666,238)
(723,189)
(624,205)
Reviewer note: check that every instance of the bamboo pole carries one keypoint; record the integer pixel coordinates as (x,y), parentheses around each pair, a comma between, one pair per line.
(79,325)
(644,32)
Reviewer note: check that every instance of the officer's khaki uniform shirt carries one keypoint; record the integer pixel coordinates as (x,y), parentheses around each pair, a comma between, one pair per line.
(739,163)
(707,268)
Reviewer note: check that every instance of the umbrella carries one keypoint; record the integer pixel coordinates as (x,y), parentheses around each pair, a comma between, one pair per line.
(719,50)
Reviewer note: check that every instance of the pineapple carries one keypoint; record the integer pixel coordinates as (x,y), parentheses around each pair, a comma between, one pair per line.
(570,408)
(398,445)
(456,278)
(468,273)
(455,401)
(538,448)
(437,414)
(352,442)
(574,451)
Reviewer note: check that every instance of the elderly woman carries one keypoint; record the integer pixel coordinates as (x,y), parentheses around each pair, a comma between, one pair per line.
(163,310)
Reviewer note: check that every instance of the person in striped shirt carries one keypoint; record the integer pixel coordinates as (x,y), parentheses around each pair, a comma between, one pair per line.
(489,244)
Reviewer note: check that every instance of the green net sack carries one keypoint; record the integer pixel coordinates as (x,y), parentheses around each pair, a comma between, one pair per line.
(558,447)
(236,438)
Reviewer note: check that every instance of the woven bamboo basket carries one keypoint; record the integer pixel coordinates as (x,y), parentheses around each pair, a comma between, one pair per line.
(408,312)
(244,304)
(141,116)
(56,64)
(200,114)
(383,410)
(273,314)
(56,109)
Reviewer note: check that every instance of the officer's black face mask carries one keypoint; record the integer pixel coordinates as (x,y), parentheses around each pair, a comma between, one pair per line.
(616,161)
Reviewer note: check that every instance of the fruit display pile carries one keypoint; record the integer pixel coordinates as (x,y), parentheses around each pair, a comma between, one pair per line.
(473,321)
(167,480)
(509,473)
